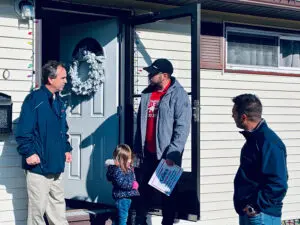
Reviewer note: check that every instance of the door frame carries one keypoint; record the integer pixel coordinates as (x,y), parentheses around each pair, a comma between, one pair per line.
(192,10)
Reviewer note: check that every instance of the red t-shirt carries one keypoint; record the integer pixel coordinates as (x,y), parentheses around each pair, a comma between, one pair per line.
(155,98)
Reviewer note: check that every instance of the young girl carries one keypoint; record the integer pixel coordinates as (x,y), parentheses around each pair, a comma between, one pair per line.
(120,173)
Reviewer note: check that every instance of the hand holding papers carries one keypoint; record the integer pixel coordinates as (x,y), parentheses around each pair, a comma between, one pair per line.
(165,177)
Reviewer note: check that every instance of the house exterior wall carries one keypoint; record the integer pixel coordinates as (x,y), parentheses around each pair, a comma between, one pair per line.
(220,140)
(16,53)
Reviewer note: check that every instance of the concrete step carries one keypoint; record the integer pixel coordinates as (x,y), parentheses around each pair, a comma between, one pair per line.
(90,217)
(85,213)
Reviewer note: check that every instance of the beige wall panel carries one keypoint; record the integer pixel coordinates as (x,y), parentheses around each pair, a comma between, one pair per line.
(161,36)
(10,162)
(13,22)
(9,85)
(224,205)
(17,107)
(267,110)
(17,194)
(14,32)
(15,116)
(172,55)
(221,101)
(232,144)
(249,85)
(17,96)
(16,65)
(177,64)
(18,215)
(222,179)
(223,92)
(17,204)
(270,118)
(15,43)
(217,197)
(277,126)
(273,79)
(211,153)
(220,153)
(12,172)
(234,135)
(170,45)
(10,53)
(12,183)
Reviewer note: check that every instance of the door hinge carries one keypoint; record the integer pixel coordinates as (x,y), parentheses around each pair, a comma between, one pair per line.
(196,110)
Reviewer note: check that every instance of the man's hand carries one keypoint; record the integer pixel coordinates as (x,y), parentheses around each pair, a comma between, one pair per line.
(169,162)
(33,160)
(68,157)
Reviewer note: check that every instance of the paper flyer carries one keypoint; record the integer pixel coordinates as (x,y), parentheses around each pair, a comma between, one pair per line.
(165,177)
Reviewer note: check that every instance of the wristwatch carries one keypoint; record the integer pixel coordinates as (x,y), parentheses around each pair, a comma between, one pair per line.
(250,210)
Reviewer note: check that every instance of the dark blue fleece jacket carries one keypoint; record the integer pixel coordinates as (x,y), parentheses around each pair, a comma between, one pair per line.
(261,180)
(122,182)
(42,130)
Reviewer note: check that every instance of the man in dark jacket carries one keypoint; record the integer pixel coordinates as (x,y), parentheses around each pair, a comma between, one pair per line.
(43,143)
(163,125)
(261,180)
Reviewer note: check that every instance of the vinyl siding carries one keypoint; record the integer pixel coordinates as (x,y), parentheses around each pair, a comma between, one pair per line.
(220,140)
(15,56)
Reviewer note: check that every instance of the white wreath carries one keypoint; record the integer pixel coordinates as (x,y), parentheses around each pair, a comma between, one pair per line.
(95,73)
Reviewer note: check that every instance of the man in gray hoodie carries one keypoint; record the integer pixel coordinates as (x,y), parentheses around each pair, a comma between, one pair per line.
(163,125)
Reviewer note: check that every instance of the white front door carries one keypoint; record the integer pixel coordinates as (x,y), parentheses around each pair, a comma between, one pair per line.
(93,122)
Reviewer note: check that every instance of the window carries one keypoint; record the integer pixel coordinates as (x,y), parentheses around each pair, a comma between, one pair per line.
(290,53)
(259,50)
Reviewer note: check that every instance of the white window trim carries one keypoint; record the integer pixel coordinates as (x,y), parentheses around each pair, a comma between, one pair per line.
(279,35)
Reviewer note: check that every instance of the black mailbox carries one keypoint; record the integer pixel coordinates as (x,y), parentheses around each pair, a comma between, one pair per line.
(5,113)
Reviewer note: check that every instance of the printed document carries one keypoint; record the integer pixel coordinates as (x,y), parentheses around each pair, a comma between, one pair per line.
(165,177)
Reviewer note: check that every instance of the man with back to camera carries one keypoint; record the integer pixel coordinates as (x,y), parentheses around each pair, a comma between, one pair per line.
(163,125)
(43,143)
(261,180)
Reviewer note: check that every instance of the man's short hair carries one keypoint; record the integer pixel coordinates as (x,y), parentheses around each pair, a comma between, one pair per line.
(49,70)
(248,104)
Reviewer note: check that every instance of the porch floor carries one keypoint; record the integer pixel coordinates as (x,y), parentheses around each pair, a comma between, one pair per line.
(82,213)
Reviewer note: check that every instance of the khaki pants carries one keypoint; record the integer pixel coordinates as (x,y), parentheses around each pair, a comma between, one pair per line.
(45,195)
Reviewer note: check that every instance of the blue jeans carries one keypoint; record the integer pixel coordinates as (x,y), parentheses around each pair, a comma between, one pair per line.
(123,206)
(260,219)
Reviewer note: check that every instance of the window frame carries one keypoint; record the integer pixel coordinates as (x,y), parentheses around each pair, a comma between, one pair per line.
(240,29)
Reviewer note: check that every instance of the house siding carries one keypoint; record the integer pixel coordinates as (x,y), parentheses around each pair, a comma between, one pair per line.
(220,141)
(16,53)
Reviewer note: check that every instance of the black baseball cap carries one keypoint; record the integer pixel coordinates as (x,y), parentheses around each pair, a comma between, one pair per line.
(160,66)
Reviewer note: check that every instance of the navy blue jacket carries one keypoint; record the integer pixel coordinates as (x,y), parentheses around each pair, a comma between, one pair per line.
(122,182)
(42,130)
(261,180)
